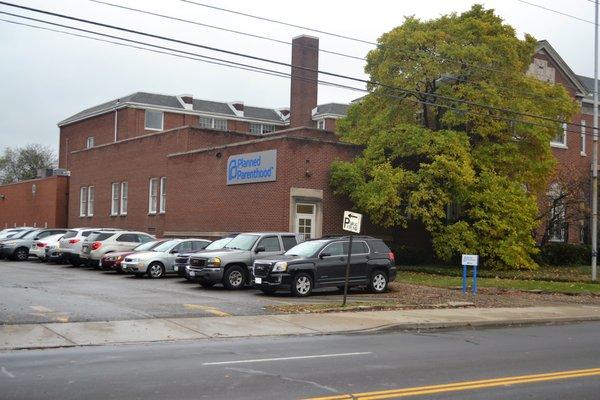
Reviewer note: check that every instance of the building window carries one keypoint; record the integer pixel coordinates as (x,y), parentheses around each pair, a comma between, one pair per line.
(90,205)
(261,129)
(124,190)
(153,196)
(583,135)
(213,123)
(163,194)
(560,140)
(89,143)
(321,124)
(557,224)
(83,201)
(154,120)
(114,207)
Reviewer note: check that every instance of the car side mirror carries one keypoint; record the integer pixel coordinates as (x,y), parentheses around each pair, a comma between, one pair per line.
(259,249)
(174,251)
(323,255)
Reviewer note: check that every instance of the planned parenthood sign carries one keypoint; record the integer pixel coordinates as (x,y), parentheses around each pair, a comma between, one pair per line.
(252,167)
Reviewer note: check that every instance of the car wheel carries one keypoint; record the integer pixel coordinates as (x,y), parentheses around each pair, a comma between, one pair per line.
(378,282)
(234,278)
(268,290)
(21,254)
(75,261)
(156,270)
(302,284)
(207,284)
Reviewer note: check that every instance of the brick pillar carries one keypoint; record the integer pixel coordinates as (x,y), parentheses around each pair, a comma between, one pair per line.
(303,93)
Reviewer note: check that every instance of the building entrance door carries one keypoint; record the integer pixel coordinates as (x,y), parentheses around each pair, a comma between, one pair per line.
(305,220)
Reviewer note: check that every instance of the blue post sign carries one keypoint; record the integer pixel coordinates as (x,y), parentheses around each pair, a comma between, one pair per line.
(469,260)
(252,167)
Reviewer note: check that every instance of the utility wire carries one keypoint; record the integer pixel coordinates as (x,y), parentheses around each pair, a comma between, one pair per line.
(221,28)
(522,93)
(227,63)
(262,59)
(557,12)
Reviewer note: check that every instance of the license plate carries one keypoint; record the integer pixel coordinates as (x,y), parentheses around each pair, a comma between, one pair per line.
(192,273)
(258,280)
(176,268)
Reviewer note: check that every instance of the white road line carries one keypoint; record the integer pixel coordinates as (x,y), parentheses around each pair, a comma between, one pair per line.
(287,358)
(5,372)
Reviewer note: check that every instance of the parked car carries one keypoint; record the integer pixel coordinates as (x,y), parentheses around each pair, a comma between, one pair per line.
(53,254)
(99,243)
(230,265)
(10,232)
(322,263)
(38,248)
(182,260)
(161,260)
(70,245)
(112,261)
(17,247)
(11,238)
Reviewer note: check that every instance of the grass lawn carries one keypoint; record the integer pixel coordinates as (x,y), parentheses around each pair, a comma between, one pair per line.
(430,277)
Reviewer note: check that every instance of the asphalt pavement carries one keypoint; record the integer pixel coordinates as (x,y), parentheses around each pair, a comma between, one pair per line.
(313,367)
(34,292)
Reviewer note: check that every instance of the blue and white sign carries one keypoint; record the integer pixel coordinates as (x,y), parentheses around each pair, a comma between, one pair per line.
(252,167)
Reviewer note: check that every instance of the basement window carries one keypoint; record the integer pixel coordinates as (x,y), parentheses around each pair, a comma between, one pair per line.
(154,120)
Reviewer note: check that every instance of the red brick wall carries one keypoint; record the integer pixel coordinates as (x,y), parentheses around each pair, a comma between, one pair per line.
(47,207)
(303,91)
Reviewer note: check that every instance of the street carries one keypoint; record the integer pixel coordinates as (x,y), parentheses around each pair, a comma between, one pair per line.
(306,367)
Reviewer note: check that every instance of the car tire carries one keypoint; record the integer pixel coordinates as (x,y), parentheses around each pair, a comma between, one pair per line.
(302,284)
(268,290)
(156,270)
(234,278)
(75,261)
(207,284)
(378,282)
(21,254)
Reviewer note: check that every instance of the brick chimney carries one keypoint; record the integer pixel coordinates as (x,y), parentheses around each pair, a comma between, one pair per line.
(303,93)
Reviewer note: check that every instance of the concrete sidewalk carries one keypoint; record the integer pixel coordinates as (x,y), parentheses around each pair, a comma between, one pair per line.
(30,336)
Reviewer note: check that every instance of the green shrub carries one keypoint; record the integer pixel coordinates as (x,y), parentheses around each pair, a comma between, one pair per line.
(564,254)
(412,255)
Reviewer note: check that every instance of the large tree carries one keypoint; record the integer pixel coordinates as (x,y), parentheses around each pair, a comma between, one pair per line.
(432,153)
(23,162)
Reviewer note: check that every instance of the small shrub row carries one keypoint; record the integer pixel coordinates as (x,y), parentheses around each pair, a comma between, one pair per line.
(564,254)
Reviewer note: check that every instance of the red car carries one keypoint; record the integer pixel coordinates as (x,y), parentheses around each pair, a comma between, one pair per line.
(112,261)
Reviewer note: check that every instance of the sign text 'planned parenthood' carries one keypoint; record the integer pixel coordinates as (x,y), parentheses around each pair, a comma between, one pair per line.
(252,167)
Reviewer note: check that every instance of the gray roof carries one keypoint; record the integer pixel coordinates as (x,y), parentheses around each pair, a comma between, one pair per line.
(587,82)
(160,100)
(332,108)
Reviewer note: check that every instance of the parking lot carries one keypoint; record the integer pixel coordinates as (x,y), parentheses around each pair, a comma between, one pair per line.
(35,292)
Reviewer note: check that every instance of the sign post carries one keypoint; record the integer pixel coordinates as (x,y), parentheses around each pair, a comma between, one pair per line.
(352,222)
(469,260)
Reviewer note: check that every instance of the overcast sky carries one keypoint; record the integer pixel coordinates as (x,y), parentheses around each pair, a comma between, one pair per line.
(49,76)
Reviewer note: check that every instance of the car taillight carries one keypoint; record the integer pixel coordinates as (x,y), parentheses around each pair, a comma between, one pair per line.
(96,245)
(392,257)
(73,241)
(40,244)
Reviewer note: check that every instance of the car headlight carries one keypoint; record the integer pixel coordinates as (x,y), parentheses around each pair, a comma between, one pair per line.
(214,262)
(10,243)
(280,266)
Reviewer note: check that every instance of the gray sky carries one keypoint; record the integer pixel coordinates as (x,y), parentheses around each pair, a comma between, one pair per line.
(48,76)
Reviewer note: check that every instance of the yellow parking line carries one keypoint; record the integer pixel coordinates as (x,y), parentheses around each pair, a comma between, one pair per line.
(41,309)
(467,385)
(212,310)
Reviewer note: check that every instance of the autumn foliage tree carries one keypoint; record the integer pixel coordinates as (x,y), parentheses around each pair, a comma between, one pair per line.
(430,144)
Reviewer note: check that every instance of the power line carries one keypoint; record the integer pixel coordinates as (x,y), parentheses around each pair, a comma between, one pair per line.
(557,12)
(220,28)
(252,68)
(262,59)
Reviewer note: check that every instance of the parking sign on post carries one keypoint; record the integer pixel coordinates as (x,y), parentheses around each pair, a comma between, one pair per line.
(352,222)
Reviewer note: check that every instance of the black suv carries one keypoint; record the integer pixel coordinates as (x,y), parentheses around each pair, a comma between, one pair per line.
(322,263)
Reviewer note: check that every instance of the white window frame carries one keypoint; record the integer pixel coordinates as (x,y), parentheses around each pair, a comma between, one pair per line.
(162,120)
(583,135)
(211,123)
(262,129)
(153,195)
(114,198)
(562,144)
(321,124)
(83,201)
(90,201)
(89,142)
(220,121)
(123,201)
(163,195)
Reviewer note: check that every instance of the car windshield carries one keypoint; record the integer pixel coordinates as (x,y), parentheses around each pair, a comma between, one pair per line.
(149,245)
(306,249)
(8,233)
(27,235)
(70,234)
(218,244)
(166,246)
(99,236)
(242,242)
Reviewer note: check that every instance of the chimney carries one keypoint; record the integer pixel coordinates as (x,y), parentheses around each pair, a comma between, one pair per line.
(238,107)
(303,93)
(187,101)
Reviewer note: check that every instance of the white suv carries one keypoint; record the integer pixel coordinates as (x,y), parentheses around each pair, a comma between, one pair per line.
(69,246)
(101,242)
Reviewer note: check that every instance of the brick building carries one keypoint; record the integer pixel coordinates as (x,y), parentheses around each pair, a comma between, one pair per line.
(162,163)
